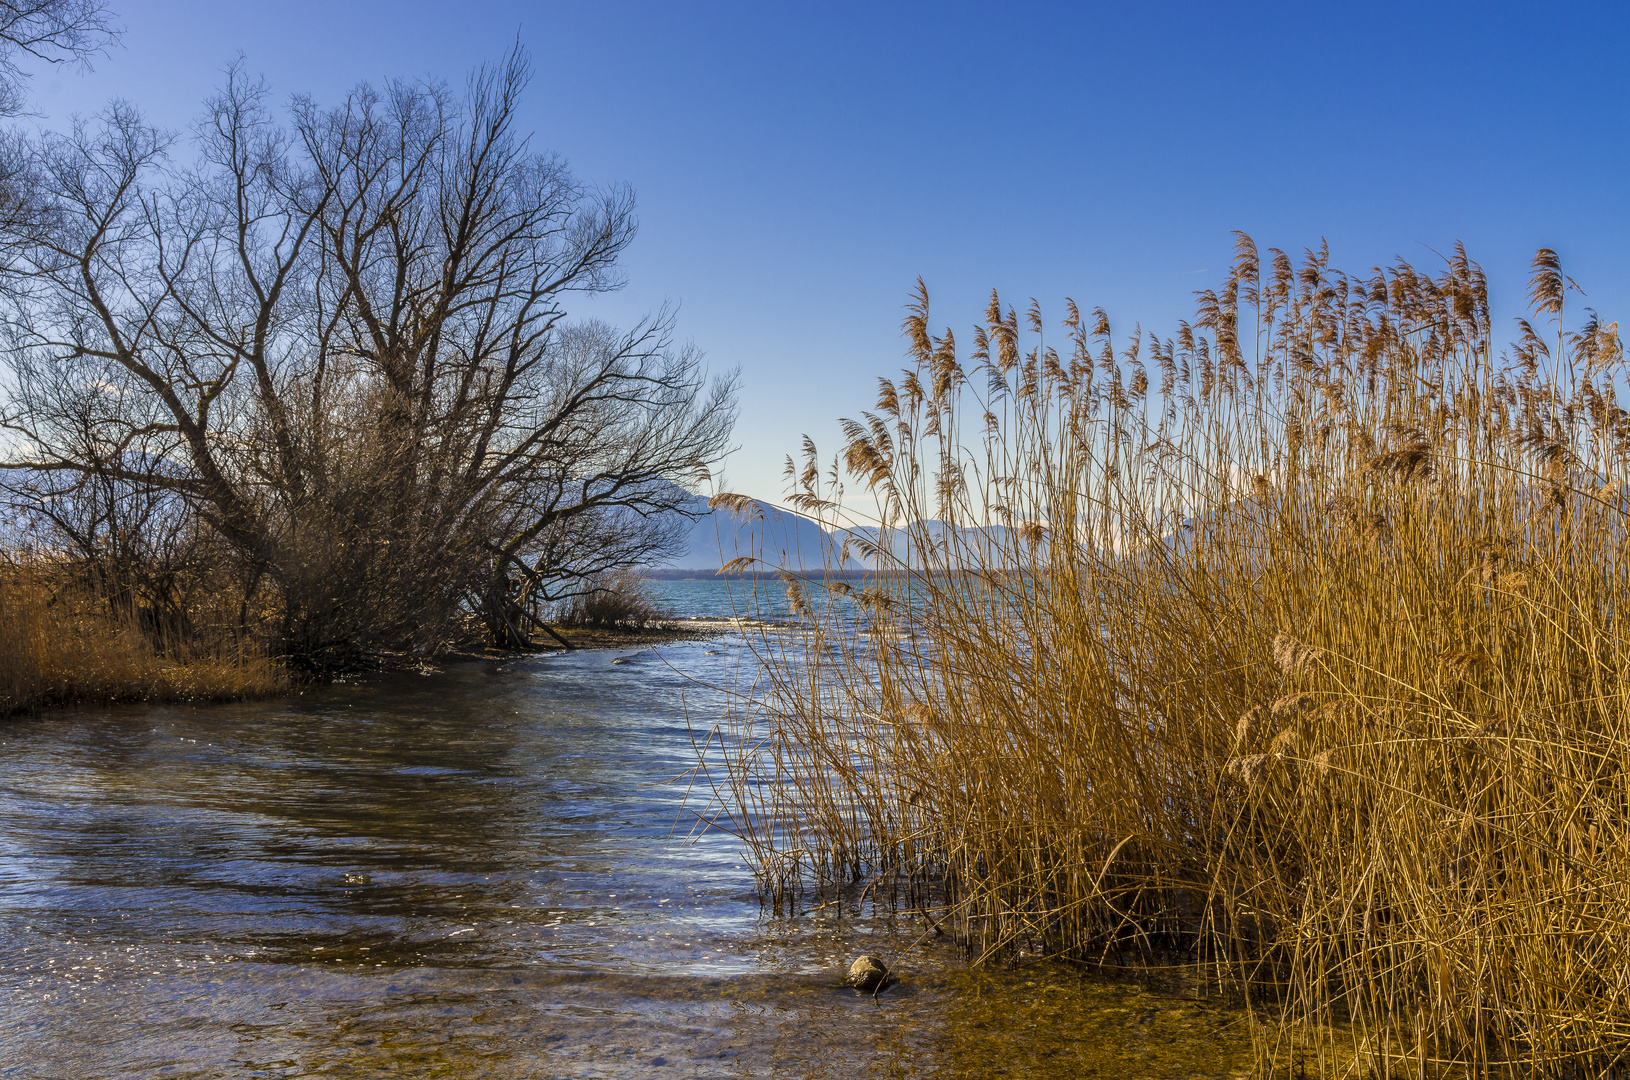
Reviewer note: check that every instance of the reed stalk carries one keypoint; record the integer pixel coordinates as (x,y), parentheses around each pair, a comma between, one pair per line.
(61,645)
(1301,667)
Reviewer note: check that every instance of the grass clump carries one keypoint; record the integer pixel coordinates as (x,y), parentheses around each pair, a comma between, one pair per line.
(617,600)
(62,644)
(1286,646)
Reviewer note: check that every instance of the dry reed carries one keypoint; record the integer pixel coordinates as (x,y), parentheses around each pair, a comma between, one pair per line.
(1303,667)
(59,645)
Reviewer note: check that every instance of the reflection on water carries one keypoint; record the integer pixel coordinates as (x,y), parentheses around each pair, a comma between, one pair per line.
(477,873)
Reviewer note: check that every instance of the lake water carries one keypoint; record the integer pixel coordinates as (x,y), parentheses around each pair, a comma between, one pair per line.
(723,598)
(482,871)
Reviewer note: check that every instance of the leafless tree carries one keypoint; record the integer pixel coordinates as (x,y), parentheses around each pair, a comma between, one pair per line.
(134,545)
(53,31)
(343,340)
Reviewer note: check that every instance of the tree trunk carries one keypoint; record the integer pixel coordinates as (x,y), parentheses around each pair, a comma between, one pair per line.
(505,618)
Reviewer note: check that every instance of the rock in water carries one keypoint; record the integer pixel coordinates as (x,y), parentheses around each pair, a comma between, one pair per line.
(867,973)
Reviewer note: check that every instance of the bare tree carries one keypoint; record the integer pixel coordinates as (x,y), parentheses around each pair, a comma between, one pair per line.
(349,332)
(53,31)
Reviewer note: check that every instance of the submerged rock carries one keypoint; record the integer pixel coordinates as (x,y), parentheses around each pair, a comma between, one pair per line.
(867,973)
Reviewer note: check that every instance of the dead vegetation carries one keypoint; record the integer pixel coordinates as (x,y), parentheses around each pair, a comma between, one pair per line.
(60,644)
(1304,668)
(620,600)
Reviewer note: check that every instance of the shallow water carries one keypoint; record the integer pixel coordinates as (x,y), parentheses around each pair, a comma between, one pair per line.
(480,872)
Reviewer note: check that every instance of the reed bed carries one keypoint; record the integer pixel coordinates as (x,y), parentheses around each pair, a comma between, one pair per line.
(1285,648)
(61,645)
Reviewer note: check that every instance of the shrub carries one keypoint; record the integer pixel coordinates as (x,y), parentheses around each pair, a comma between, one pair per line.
(61,644)
(620,600)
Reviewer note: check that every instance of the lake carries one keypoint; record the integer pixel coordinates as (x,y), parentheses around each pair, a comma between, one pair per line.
(484,870)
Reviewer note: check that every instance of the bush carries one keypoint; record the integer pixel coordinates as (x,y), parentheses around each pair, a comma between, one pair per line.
(621,600)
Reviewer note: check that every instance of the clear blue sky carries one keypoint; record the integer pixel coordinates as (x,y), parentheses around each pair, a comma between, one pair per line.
(798,165)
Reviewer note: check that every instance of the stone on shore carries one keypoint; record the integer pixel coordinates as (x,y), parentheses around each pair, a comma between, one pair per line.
(867,973)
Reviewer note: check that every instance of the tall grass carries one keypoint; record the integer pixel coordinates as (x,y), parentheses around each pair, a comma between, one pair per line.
(1301,665)
(60,644)
(618,600)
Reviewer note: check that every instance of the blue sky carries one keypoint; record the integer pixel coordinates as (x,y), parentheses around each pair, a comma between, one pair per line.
(799,165)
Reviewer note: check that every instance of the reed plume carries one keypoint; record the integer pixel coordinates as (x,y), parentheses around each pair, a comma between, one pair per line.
(1314,682)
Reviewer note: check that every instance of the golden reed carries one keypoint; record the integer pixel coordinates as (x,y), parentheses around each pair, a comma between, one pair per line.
(1286,647)
(60,645)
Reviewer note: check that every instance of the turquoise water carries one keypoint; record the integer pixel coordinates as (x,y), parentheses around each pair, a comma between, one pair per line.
(764,599)
(723,598)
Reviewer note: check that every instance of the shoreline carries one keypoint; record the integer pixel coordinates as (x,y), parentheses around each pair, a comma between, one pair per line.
(193,687)
(668,631)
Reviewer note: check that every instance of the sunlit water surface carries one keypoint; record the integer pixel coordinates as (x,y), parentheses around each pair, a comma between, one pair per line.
(480,872)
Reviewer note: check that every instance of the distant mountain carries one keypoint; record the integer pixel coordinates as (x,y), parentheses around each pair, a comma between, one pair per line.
(786,539)
(780,538)
(988,541)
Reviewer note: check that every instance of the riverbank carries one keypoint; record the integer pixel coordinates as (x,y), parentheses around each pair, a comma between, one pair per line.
(699,628)
(60,646)
(55,656)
